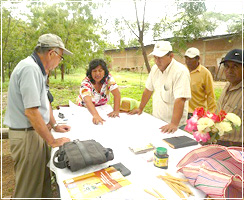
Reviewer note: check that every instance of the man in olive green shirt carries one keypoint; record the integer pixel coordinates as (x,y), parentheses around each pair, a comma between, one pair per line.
(202,89)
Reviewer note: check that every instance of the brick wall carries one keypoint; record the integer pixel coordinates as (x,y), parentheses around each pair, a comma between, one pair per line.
(212,49)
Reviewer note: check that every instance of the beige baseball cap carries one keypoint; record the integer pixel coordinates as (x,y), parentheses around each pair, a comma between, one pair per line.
(52,40)
(161,48)
(192,52)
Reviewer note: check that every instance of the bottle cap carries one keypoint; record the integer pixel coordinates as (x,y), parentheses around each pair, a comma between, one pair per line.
(161,150)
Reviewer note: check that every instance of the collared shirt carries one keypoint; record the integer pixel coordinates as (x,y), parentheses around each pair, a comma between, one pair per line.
(171,84)
(98,98)
(202,90)
(27,89)
(231,102)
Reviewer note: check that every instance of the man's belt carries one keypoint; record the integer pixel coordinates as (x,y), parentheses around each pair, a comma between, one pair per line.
(229,143)
(22,129)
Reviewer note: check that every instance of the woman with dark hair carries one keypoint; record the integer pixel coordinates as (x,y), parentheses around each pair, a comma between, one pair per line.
(95,88)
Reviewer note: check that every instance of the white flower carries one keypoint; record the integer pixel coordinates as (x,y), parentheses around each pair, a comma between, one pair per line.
(223,127)
(204,123)
(234,119)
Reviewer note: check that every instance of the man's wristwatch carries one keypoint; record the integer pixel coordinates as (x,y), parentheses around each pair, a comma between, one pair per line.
(54,125)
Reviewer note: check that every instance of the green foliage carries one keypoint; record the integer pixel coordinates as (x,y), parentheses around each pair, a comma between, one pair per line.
(17,42)
(234,21)
(133,43)
(217,92)
(237,26)
(189,23)
(72,21)
(66,90)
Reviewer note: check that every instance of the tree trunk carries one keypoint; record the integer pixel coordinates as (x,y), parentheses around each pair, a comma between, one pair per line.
(9,70)
(55,73)
(62,72)
(144,53)
(3,78)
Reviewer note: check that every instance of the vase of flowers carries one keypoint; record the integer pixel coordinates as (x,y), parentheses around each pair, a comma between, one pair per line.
(208,127)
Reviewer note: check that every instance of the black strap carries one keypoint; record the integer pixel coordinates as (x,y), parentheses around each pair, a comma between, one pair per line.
(84,153)
(37,59)
(60,164)
(49,96)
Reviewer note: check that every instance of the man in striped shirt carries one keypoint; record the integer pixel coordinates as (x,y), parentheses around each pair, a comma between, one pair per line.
(231,97)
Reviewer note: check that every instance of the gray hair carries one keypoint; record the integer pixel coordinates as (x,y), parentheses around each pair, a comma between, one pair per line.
(43,50)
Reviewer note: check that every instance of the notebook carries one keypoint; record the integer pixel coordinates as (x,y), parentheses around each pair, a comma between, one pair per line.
(180,141)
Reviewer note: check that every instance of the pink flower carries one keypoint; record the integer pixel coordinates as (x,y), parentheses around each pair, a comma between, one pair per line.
(201,136)
(191,124)
(210,126)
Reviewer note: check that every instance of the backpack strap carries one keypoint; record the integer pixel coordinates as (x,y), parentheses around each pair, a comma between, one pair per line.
(61,162)
(83,150)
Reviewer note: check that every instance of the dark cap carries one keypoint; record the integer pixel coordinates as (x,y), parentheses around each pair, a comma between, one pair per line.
(234,55)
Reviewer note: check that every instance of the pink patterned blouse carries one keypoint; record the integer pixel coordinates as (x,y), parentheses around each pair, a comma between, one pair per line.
(98,99)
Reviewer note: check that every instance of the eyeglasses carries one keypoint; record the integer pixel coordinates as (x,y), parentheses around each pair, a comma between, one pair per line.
(61,57)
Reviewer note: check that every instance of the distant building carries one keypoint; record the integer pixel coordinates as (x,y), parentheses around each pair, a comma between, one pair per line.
(212,50)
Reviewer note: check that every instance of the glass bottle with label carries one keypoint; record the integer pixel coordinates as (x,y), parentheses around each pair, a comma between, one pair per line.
(161,158)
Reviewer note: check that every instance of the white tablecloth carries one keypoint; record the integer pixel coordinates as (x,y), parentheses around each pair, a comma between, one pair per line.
(119,134)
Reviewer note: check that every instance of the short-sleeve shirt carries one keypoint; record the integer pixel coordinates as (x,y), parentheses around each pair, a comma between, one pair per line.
(98,98)
(27,89)
(169,85)
(202,90)
(230,101)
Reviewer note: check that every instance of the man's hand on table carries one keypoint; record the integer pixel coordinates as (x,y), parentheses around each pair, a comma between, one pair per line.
(169,128)
(114,114)
(62,128)
(135,111)
(97,119)
(59,142)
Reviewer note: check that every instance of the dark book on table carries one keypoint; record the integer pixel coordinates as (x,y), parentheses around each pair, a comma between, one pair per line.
(180,141)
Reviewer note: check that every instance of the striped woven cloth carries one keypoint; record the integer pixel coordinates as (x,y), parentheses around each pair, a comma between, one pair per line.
(215,169)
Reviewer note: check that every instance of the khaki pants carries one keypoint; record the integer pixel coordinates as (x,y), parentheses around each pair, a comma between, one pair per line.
(31,155)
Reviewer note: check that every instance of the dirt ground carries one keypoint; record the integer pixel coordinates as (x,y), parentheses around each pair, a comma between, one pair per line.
(8,170)
(8,177)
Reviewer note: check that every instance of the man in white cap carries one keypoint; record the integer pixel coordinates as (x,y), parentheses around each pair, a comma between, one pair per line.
(29,115)
(202,90)
(170,82)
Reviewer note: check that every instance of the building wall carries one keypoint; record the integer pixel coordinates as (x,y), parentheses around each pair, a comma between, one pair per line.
(212,49)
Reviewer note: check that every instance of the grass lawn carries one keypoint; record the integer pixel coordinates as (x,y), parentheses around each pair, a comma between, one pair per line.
(131,85)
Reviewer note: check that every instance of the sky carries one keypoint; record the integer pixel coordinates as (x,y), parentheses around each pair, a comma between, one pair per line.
(155,9)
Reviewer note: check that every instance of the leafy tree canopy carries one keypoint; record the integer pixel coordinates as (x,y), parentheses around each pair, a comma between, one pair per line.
(72,21)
